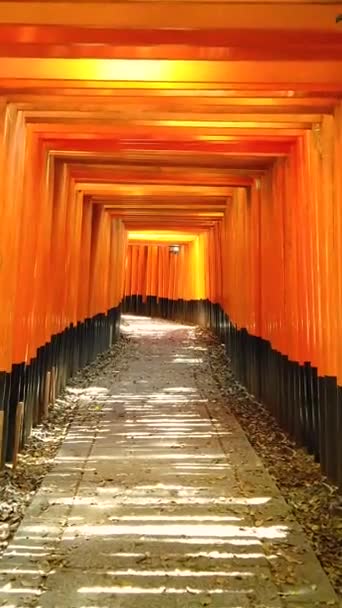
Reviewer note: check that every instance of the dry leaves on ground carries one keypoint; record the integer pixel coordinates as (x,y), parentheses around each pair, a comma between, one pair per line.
(18,487)
(315,503)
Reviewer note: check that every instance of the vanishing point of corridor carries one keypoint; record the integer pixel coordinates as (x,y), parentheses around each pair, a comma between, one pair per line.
(156,498)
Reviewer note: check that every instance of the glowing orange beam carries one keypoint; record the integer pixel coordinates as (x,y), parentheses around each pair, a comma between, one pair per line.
(173,71)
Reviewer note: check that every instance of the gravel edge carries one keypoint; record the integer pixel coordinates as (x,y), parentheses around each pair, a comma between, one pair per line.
(314,501)
(18,487)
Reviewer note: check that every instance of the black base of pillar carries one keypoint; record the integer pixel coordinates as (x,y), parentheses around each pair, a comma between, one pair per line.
(306,406)
(63,356)
(192,311)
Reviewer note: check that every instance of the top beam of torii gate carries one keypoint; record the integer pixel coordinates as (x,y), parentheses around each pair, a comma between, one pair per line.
(289,15)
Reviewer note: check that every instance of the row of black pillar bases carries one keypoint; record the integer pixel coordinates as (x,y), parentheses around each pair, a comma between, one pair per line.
(192,311)
(26,392)
(307,406)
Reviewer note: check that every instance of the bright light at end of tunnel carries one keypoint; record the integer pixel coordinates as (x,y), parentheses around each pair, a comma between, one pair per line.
(162,236)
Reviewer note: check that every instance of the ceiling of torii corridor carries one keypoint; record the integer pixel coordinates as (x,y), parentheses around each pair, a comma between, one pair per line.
(159,109)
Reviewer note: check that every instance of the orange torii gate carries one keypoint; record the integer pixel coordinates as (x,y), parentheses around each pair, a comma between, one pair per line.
(206,125)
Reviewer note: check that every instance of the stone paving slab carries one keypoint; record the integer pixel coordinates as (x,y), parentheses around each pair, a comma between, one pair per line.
(161,502)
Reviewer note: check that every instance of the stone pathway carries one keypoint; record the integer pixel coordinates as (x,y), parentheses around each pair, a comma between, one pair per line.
(158,499)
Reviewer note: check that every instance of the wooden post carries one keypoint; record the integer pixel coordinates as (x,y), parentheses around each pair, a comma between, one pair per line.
(53,386)
(47,392)
(1,434)
(17,432)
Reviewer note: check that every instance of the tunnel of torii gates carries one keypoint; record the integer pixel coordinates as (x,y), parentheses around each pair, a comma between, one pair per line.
(127,127)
